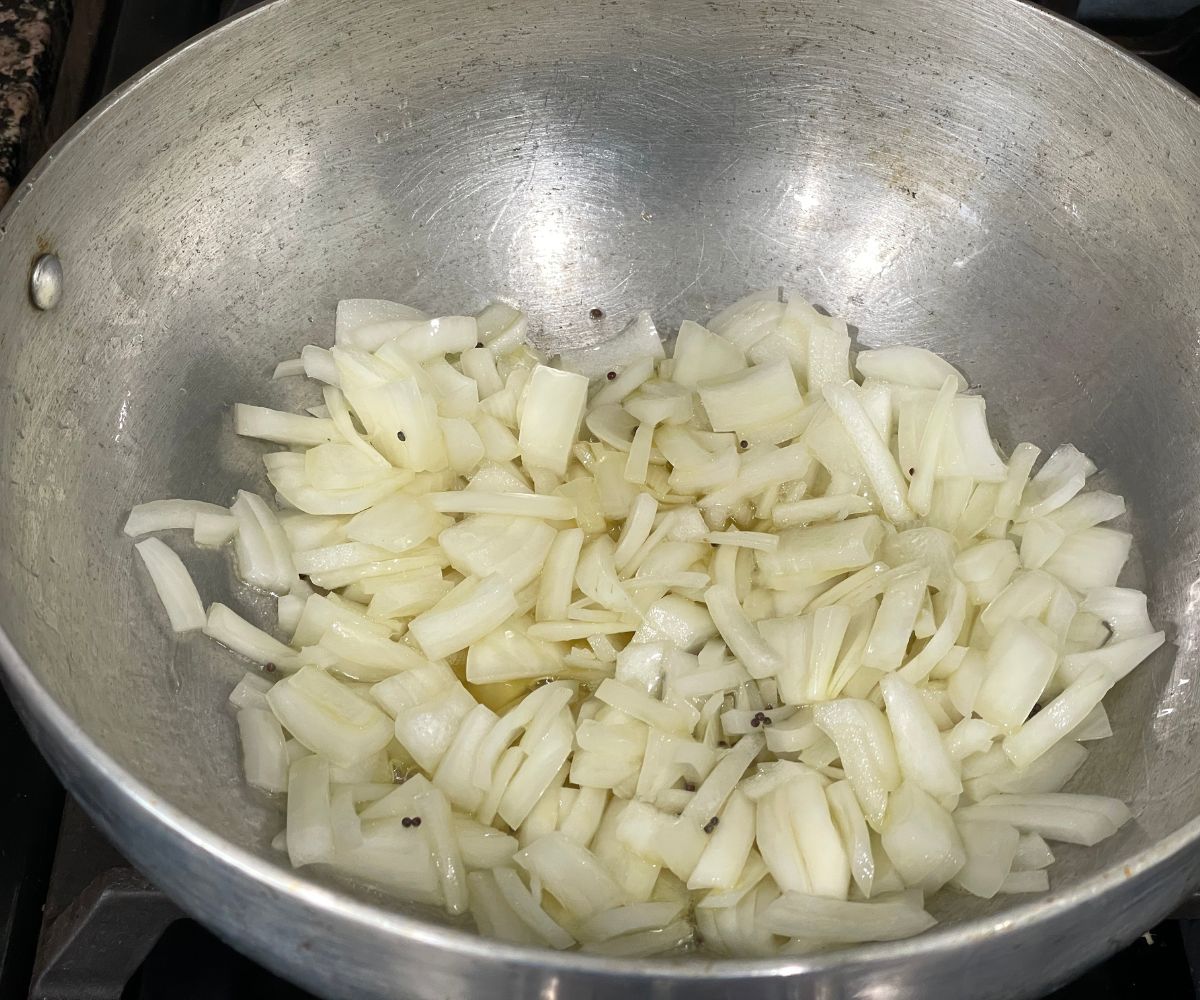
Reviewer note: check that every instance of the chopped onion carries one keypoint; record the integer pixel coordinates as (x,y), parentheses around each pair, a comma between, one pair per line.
(1048,773)
(700,354)
(264,754)
(309,819)
(162,515)
(434,812)
(1033,854)
(1074,819)
(1019,665)
(739,632)
(707,643)
(572,875)
(723,778)
(174,585)
(990,851)
(228,628)
(877,460)
(550,422)
(813,919)
(912,366)
(922,757)
(466,614)
(328,718)
(281,428)
(1116,659)
(921,839)
(212,529)
(676,843)
(724,858)
(750,397)
(1030,881)
(868,755)
(1064,714)
(261,546)
(1090,558)
(528,911)
(250,692)
(856,837)
(629,919)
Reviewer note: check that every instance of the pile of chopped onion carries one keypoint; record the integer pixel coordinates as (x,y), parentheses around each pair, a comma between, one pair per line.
(754,647)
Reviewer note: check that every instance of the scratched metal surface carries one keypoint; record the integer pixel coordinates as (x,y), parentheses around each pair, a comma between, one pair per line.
(975,177)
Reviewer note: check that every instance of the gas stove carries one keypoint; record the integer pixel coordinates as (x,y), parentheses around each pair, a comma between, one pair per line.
(78,923)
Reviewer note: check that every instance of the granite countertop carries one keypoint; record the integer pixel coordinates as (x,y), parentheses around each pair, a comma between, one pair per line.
(32,36)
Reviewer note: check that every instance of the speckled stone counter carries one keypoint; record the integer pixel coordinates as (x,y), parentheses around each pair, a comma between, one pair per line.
(32,36)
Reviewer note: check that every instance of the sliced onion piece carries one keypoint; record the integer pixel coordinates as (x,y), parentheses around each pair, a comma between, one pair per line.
(750,397)
(1021,882)
(921,839)
(631,918)
(561,610)
(1033,854)
(912,366)
(551,418)
(282,428)
(528,911)
(1074,819)
(700,354)
(572,875)
(868,755)
(877,460)
(174,585)
(739,633)
(811,918)
(434,813)
(1020,663)
(328,718)
(468,613)
(309,819)
(163,515)
(264,754)
(231,630)
(990,850)
(919,750)
(723,778)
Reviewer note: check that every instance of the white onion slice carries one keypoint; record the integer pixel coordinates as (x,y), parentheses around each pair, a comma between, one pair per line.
(811,918)
(1074,819)
(309,819)
(921,839)
(233,631)
(864,742)
(572,874)
(264,755)
(162,515)
(466,614)
(550,422)
(991,848)
(528,911)
(723,643)
(281,428)
(174,585)
(328,718)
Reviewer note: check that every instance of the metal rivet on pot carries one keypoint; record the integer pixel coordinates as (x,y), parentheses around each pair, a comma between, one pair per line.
(46,281)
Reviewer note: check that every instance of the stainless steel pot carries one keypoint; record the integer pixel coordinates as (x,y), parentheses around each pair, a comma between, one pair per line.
(980,177)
